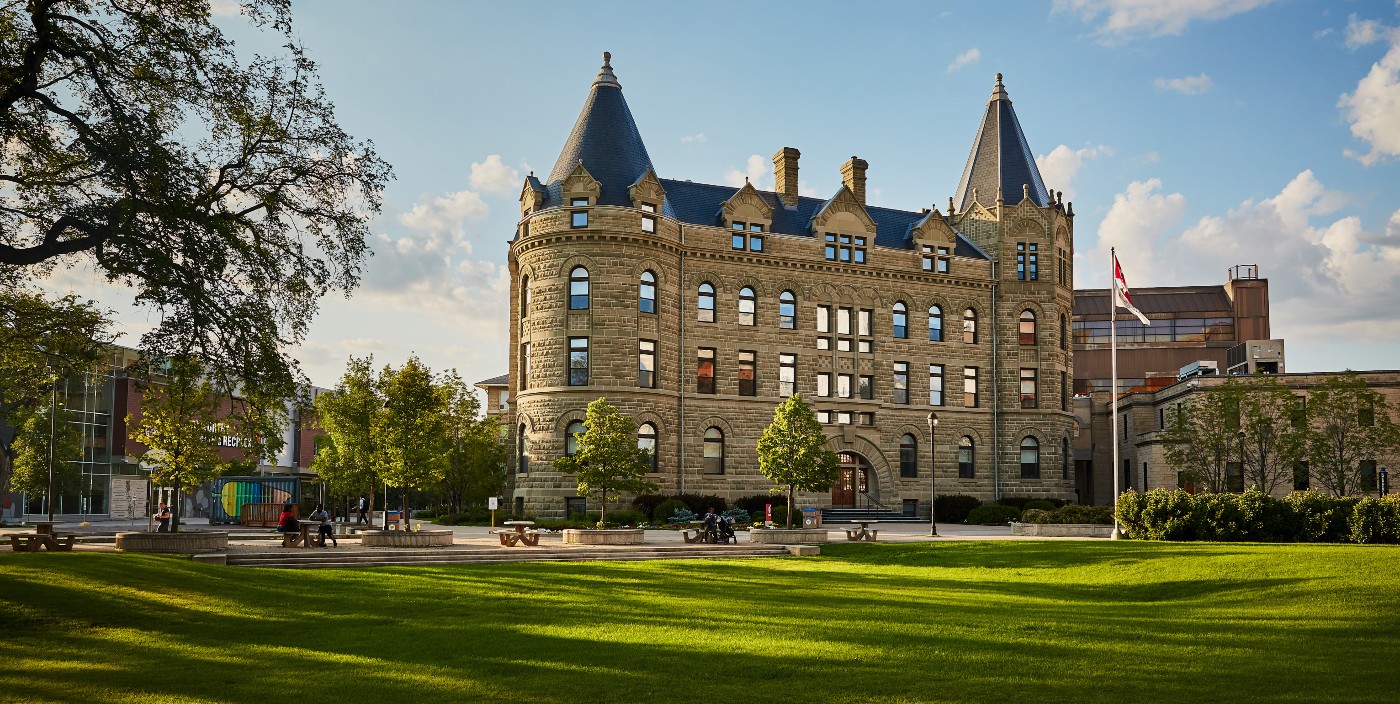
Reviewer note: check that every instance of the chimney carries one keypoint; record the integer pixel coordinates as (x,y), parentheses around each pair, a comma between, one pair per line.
(853,175)
(785,175)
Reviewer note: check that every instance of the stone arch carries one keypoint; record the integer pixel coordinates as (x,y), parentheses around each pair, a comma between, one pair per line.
(567,417)
(651,417)
(879,463)
(568,263)
(649,264)
(715,421)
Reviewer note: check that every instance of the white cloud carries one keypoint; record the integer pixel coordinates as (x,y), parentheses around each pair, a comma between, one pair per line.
(756,170)
(805,190)
(1373,109)
(1123,20)
(697,137)
(1324,32)
(444,217)
(965,59)
(1393,228)
(1061,165)
(1327,278)
(493,176)
(1186,85)
(225,8)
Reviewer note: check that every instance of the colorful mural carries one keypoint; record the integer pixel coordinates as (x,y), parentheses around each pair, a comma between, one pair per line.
(231,493)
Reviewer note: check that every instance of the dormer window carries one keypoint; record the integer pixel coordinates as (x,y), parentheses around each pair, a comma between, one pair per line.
(578,202)
(845,248)
(936,259)
(742,239)
(648,207)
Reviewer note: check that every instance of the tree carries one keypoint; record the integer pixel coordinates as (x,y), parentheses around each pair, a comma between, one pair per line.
(413,429)
(35,461)
(219,187)
(608,461)
(792,451)
(1273,442)
(476,456)
(1202,435)
(179,425)
(351,415)
(1348,424)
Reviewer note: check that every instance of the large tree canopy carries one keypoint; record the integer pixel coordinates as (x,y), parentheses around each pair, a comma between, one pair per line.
(219,187)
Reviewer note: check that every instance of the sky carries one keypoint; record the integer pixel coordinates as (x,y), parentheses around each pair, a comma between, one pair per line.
(1192,136)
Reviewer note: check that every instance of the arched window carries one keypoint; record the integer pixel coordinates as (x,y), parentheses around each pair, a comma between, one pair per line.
(524,296)
(967,453)
(714,451)
(522,449)
(746,306)
(1064,333)
(706,306)
(647,299)
(935,324)
(908,456)
(1030,458)
(970,326)
(1064,458)
(578,289)
(646,440)
(787,311)
(570,437)
(901,320)
(1027,327)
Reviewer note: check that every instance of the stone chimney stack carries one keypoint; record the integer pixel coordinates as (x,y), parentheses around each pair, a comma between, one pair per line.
(853,175)
(785,175)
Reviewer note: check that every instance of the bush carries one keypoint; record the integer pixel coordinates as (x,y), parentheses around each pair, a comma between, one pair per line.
(954,508)
(1376,520)
(754,504)
(1130,507)
(1169,515)
(1266,519)
(647,504)
(1039,504)
(1069,513)
(617,518)
(1320,518)
(699,503)
(739,515)
(662,512)
(993,515)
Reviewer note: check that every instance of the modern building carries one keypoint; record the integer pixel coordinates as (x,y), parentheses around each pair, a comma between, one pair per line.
(697,308)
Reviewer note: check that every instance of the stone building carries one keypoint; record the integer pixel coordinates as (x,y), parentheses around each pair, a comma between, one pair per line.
(696,308)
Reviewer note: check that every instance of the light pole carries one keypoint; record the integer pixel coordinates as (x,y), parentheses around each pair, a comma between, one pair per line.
(933,474)
(53,410)
(1241,436)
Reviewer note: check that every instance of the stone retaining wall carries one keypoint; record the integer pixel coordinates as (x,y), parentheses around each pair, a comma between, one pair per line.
(785,536)
(1062,530)
(612,536)
(405,538)
(183,543)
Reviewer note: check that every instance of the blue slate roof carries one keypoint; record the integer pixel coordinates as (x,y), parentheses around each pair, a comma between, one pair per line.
(1000,157)
(606,140)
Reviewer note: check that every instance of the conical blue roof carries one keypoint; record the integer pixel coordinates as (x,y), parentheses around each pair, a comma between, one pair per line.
(606,140)
(1000,158)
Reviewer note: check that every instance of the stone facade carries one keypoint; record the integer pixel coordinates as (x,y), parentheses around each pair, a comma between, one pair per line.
(567,228)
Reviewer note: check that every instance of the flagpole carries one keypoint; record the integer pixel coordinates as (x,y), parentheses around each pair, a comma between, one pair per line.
(1113,396)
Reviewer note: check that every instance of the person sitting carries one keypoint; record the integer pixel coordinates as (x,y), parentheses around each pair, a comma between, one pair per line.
(711,520)
(323,530)
(287,522)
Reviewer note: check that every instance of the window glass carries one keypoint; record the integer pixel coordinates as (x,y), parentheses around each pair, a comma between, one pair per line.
(646,365)
(714,451)
(705,307)
(646,441)
(901,321)
(578,361)
(575,429)
(578,289)
(970,326)
(935,324)
(1027,327)
(823,319)
(705,371)
(935,384)
(843,321)
(965,458)
(648,223)
(970,387)
(647,298)
(823,384)
(1030,458)
(901,382)
(865,322)
(737,240)
(787,374)
(843,385)
(746,306)
(756,242)
(908,456)
(576,202)
(579,218)
(1028,388)
(787,311)
(747,383)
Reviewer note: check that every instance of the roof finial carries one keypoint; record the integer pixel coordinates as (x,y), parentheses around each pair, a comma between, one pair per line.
(999,92)
(605,75)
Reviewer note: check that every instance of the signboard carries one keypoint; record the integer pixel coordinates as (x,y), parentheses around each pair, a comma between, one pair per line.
(129,498)
(492,503)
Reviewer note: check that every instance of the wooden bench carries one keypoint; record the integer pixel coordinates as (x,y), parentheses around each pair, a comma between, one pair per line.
(511,537)
(302,537)
(862,533)
(23,542)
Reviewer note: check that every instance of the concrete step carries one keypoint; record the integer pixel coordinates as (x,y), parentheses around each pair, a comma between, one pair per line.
(457,557)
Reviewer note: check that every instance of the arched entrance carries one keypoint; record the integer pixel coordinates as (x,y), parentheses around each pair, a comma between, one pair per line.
(856,477)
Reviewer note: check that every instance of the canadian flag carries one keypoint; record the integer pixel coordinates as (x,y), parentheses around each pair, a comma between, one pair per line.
(1121,297)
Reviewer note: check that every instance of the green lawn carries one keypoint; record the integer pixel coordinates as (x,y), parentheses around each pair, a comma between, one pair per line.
(1018,621)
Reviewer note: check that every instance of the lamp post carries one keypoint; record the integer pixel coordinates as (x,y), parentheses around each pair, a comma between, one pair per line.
(53,410)
(933,475)
(1241,437)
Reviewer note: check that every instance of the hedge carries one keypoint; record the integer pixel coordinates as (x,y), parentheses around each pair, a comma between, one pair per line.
(993,515)
(1306,517)
(1069,513)
(955,507)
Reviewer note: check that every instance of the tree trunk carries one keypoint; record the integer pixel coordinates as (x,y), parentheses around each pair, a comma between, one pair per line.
(406,525)
(602,508)
(789,508)
(175,510)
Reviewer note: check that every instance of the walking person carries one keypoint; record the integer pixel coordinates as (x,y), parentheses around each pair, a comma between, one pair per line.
(163,515)
(362,511)
(323,530)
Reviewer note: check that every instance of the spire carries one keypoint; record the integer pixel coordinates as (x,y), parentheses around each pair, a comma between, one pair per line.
(1001,160)
(606,140)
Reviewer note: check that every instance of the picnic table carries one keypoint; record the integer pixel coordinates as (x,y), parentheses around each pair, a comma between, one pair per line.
(43,538)
(517,533)
(864,532)
(302,537)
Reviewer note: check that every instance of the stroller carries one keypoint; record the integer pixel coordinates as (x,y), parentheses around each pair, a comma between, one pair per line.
(724,531)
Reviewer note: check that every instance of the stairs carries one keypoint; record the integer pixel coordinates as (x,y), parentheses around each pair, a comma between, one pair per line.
(879,515)
(310,558)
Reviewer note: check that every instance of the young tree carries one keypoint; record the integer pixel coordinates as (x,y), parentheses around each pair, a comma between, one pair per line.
(792,451)
(47,447)
(476,455)
(179,426)
(220,187)
(1202,435)
(413,430)
(351,415)
(1348,423)
(1273,442)
(608,461)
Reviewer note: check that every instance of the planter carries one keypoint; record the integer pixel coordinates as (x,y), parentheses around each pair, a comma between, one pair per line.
(181,543)
(787,536)
(406,538)
(607,536)
(1062,530)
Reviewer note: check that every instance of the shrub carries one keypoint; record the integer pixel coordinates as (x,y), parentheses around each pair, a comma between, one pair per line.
(1219,518)
(1039,504)
(1168,515)
(1320,518)
(1037,515)
(1376,520)
(1069,513)
(699,503)
(1130,507)
(647,504)
(954,508)
(754,504)
(663,511)
(739,515)
(1266,519)
(993,515)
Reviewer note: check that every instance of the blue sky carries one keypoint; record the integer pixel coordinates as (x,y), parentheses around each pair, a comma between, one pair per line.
(1191,135)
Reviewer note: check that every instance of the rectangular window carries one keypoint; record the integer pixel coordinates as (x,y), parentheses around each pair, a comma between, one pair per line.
(843,344)
(1027,261)
(1028,388)
(830,247)
(867,418)
(705,371)
(648,208)
(737,241)
(824,417)
(823,343)
(845,254)
(1061,269)
(860,250)
(865,346)
(944,257)
(824,384)
(843,417)
(748,382)
(524,365)
(823,319)
(579,218)
(1300,476)
(756,241)
(867,387)
(646,364)
(648,223)
(755,227)
(578,361)
(866,323)
(1064,392)
(935,384)
(787,374)
(578,202)
(901,382)
(843,321)
(970,387)
(928,257)
(843,385)
(1368,475)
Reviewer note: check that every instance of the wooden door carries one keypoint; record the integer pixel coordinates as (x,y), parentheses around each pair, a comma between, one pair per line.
(843,492)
